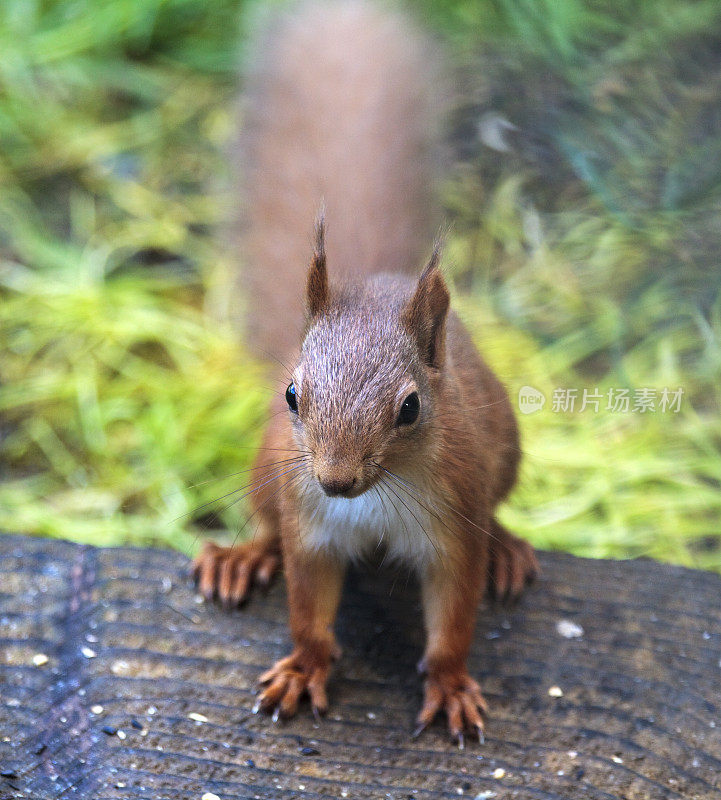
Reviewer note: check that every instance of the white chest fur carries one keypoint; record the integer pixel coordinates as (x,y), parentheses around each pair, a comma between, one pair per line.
(387,518)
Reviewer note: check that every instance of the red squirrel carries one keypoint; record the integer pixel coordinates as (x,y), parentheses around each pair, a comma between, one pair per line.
(392,431)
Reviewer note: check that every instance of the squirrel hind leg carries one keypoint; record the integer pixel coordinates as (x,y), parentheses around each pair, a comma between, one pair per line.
(228,573)
(512,564)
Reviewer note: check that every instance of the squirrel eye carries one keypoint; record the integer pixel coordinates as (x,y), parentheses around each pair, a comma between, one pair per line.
(291,398)
(409,410)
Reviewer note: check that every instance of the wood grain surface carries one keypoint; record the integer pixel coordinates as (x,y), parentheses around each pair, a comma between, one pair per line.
(115,682)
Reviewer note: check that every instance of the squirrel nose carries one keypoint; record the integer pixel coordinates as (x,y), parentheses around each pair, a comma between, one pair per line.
(334,486)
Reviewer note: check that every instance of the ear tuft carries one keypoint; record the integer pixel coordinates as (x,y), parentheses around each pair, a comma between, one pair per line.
(317,293)
(425,314)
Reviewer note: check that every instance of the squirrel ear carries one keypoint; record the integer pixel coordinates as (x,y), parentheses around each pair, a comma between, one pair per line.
(317,293)
(425,314)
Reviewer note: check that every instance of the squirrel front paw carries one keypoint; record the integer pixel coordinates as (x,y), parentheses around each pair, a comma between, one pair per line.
(228,572)
(512,564)
(305,671)
(460,696)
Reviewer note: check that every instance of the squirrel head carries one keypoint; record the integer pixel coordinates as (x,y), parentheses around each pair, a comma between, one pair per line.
(371,368)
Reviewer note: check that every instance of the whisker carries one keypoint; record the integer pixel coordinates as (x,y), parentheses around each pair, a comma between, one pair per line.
(407,488)
(258,488)
(433,513)
(304,476)
(239,472)
(491,535)
(378,487)
(412,488)
(385,523)
(264,422)
(267,499)
(300,459)
(270,449)
(288,370)
(410,511)
(381,484)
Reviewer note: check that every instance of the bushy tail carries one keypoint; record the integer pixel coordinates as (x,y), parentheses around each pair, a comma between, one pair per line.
(342,108)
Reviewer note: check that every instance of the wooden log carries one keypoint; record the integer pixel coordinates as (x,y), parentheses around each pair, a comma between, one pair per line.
(115,682)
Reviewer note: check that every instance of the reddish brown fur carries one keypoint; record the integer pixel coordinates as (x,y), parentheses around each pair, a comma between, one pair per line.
(363,343)
(368,346)
(316,288)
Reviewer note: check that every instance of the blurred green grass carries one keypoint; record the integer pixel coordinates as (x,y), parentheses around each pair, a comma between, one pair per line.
(584,253)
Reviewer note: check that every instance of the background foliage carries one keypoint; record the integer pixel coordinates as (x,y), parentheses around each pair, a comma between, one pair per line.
(585,192)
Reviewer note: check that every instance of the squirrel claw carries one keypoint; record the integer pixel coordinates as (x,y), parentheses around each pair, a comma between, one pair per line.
(513,566)
(460,696)
(228,573)
(287,681)
(418,730)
